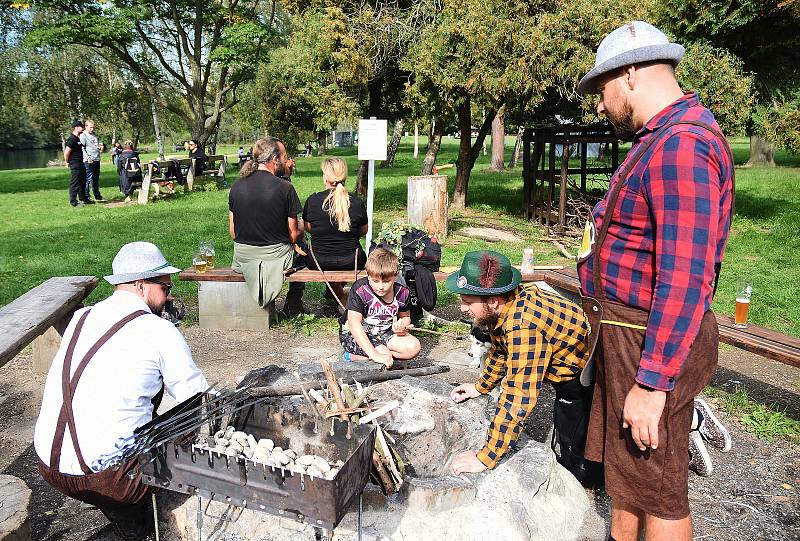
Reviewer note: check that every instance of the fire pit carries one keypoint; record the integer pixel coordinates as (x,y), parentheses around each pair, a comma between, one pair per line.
(182,465)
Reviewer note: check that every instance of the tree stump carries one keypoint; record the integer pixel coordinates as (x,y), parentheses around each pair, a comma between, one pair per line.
(428,202)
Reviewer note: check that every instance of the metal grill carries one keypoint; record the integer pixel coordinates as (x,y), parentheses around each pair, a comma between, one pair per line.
(180,465)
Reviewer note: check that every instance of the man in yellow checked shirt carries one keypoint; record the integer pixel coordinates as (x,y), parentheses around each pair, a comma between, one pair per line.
(535,335)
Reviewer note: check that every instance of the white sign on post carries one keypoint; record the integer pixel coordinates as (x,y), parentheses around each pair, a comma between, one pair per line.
(372,136)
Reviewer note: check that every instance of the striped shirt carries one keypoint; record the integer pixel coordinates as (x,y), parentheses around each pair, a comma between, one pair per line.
(539,335)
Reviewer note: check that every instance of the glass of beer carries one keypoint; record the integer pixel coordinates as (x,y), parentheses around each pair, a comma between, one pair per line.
(200,263)
(207,250)
(743,292)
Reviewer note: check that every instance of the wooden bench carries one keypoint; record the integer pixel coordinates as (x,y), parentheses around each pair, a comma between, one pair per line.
(155,177)
(214,170)
(753,338)
(41,316)
(224,302)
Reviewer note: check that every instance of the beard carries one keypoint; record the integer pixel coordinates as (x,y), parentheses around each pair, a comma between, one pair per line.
(622,122)
(489,321)
(280,169)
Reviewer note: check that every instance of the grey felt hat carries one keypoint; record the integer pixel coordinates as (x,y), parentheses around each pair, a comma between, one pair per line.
(139,261)
(631,43)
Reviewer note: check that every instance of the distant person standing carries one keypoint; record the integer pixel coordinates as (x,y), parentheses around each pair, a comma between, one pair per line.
(309,150)
(73,158)
(116,150)
(91,161)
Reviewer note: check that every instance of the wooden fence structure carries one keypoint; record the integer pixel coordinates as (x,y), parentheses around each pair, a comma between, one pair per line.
(541,171)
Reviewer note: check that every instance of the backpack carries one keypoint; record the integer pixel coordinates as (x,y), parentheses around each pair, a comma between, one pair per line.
(132,167)
(420,257)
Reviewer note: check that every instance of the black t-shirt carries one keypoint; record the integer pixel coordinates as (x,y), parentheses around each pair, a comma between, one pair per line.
(76,158)
(261,205)
(325,235)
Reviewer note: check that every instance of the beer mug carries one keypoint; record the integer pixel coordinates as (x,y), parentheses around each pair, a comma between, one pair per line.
(207,251)
(527,261)
(200,264)
(743,292)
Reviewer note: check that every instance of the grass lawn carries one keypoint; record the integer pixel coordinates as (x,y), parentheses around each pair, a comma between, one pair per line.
(42,236)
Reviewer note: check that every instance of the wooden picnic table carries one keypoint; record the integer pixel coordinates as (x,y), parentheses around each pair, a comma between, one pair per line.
(763,341)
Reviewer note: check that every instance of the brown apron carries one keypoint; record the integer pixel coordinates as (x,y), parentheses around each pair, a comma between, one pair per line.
(654,481)
(110,486)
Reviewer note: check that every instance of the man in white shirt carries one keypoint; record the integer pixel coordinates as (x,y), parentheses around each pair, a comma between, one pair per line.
(91,161)
(116,359)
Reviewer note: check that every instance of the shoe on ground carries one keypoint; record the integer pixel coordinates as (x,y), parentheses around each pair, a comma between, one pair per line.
(100,200)
(699,459)
(712,430)
(88,202)
(128,199)
(76,203)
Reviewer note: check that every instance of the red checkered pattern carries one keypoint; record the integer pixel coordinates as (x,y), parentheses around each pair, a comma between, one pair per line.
(669,229)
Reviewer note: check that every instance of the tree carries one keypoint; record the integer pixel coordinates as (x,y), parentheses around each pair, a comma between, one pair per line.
(763,34)
(491,53)
(498,143)
(197,52)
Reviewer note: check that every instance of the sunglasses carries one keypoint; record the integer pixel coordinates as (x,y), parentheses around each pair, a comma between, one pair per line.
(166,288)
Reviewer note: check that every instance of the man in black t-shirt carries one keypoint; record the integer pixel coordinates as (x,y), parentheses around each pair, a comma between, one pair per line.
(73,158)
(263,212)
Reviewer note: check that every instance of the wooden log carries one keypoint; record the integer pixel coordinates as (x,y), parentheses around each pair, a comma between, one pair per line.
(376,376)
(333,386)
(428,202)
(562,189)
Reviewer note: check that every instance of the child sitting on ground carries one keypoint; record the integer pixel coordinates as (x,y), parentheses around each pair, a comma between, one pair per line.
(378,314)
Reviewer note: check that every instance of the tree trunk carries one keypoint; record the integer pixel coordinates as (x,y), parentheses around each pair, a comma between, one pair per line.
(517,149)
(427,203)
(136,139)
(468,152)
(762,152)
(498,143)
(322,143)
(211,146)
(157,129)
(434,143)
(391,152)
(416,140)
(362,178)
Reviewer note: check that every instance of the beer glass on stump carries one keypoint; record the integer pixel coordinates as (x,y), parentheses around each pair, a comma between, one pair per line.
(743,292)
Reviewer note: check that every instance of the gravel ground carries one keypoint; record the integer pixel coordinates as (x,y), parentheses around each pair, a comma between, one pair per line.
(753,493)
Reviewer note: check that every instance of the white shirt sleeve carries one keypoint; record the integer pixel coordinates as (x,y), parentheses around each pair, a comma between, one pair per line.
(182,377)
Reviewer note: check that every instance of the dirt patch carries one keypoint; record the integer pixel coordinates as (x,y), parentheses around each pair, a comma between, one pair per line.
(753,493)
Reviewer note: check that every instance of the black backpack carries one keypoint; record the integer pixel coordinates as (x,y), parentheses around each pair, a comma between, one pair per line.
(421,256)
(132,167)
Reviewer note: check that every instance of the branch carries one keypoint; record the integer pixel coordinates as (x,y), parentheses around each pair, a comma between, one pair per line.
(161,58)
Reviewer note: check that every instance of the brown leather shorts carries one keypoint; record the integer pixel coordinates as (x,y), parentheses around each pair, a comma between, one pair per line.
(108,488)
(654,481)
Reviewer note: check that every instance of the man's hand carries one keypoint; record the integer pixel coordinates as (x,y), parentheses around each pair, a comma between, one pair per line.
(641,413)
(465,391)
(467,462)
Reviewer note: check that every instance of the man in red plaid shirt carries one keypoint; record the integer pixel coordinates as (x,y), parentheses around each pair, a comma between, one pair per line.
(651,255)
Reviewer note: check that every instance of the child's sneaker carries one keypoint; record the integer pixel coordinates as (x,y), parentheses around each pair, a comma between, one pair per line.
(712,430)
(699,459)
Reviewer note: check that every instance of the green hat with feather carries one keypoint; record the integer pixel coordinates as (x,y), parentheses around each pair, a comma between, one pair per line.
(484,273)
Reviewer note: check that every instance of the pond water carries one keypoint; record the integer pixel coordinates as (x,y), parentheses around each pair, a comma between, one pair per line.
(28,158)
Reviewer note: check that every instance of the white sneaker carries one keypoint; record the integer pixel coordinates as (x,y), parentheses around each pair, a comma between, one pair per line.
(699,459)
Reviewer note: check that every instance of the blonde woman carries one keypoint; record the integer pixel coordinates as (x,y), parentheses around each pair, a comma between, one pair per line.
(336,220)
